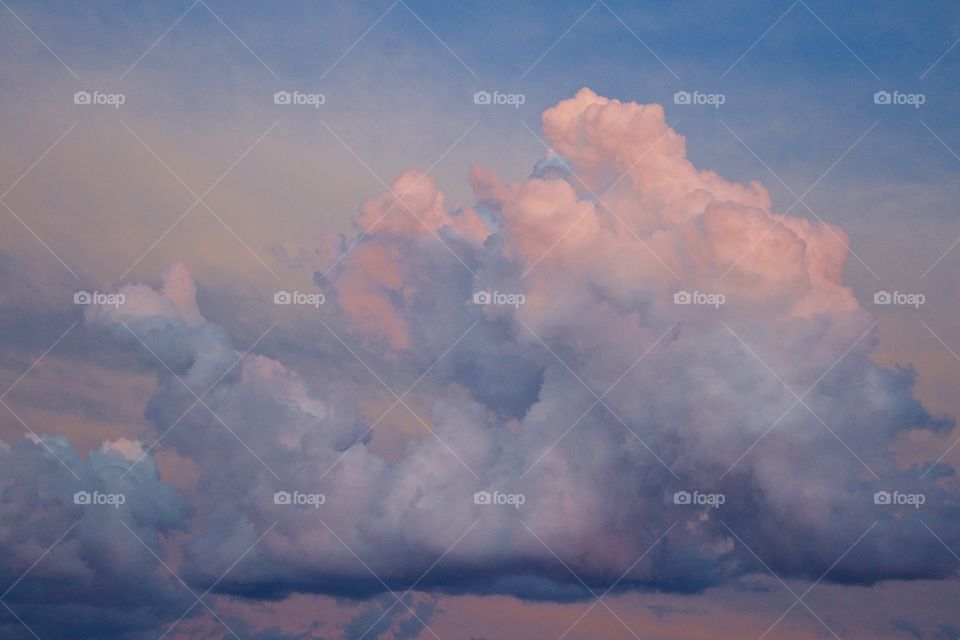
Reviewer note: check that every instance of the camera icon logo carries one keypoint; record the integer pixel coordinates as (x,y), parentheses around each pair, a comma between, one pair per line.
(482,97)
(482,297)
(282,497)
(882,97)
(682,497)
(682,297)
(681,97)
(82,497)
(882,297)
(482,497)
(282,97)
(82,297)
(282,297)
(82,97)
(881,497)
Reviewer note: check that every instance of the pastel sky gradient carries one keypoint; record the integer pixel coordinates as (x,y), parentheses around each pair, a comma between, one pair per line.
(600,198)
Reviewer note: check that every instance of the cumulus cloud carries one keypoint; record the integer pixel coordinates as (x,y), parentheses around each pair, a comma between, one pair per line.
(597,398)
(98,579)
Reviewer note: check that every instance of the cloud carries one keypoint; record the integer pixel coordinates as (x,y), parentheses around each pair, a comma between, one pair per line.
(98,578)
(391,620)
(596,399)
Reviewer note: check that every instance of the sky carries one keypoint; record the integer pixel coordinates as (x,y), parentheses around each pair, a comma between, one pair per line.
(479,321)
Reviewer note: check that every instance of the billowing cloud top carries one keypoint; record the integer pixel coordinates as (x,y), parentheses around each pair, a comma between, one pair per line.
(585,389)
